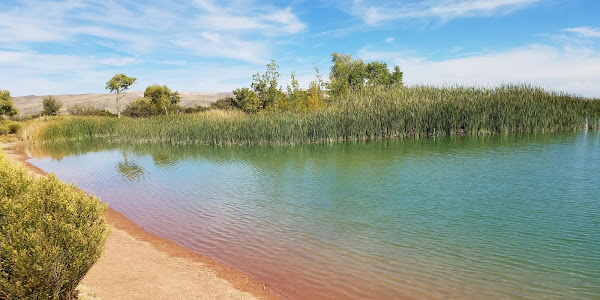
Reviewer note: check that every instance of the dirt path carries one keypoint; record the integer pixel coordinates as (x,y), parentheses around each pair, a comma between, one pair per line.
(140,265)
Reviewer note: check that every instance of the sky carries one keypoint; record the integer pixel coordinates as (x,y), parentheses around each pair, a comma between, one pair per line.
(75,46)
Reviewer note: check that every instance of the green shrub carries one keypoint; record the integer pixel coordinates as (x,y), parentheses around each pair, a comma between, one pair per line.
(51,106)
(13,127)
(141,107)
(191,110)
(88,110)
(50,235)
(103,113)
(224,103)
(81,110)
(4,130)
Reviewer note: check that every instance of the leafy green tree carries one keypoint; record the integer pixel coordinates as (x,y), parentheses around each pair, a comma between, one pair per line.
(51,106)
(297,98)
(118,84)
(162,97)
(347,73)
(141,107)
(246,100)
(265,87)
(7,106)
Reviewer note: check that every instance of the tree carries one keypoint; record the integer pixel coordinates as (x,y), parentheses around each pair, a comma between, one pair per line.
(246,100)
(51,106)
(347,73)
(265,87)
(118,84)
(296,96)
(6,104)
(162,96)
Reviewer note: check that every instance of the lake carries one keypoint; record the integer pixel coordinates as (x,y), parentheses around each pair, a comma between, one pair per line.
(493,217)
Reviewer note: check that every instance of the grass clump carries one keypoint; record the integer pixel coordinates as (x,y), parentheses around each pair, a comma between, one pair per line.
(9,127)
(376,112)
(50,235)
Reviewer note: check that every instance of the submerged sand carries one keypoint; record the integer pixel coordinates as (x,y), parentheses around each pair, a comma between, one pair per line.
(139,265)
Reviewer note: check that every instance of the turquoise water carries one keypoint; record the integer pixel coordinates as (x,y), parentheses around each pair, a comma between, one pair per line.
(504,217)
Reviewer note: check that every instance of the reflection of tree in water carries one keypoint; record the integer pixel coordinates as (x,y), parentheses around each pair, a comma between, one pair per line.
(163,160)
(130,170)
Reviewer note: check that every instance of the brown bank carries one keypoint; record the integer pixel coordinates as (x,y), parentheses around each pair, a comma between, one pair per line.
(139,265)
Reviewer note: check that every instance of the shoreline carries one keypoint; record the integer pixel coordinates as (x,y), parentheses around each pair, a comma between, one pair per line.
(137,264)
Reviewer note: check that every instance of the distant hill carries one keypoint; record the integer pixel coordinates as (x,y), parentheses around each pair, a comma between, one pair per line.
(31,105)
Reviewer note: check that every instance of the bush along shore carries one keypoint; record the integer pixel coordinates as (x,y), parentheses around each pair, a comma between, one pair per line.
(371,112)
(50,234)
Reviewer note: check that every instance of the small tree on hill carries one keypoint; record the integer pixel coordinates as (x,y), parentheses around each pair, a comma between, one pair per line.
(6,104)
(118,84)
(51,106)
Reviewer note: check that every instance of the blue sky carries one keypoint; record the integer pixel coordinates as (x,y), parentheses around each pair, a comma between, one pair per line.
(75,46)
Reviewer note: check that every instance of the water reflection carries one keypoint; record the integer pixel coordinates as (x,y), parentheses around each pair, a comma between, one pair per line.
(130,171)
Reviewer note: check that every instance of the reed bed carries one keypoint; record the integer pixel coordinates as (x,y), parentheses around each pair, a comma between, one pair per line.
(368,113)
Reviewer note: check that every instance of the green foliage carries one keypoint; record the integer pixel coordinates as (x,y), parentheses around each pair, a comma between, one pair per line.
(88,110)
(51,235)
(191,110)
(119,83)
(81,110)
(9,127)
(265,87)
(365,113)
(224,103)
(7,107)
(157,100)
(347,73)
(266,96)
(246,100)
(51,106)
(141,107)
(13,127)
(162,97)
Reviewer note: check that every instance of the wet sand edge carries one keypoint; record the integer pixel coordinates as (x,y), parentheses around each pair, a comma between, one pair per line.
(238,280)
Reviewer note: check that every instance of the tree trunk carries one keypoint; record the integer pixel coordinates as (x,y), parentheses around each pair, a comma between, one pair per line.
(118,110)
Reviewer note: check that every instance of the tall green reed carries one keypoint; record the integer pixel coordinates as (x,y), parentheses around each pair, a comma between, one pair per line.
(368,113)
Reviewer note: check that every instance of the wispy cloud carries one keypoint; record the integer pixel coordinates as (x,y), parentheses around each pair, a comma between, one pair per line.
(218,45)
(134,27)
(587,32)
(78,41)
(375,12)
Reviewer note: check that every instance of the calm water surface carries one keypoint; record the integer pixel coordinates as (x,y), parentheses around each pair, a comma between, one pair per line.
(514,217)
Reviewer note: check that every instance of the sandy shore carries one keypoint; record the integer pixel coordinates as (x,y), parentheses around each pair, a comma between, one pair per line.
(139,265)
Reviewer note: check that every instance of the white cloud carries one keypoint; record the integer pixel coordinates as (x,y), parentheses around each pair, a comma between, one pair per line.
(274,22)
(219,45)
(291,23)
(120,61)
(584,31)
(442,10)
(568,69)
(390,40)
